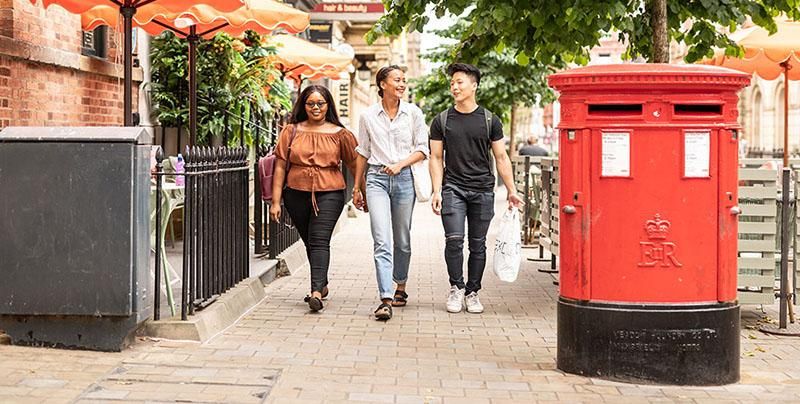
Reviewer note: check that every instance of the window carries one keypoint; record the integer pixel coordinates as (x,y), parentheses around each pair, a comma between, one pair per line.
(779,116)
(756,131)
(94,43)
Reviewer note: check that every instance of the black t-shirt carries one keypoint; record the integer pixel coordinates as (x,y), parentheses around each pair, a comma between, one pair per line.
(466,148)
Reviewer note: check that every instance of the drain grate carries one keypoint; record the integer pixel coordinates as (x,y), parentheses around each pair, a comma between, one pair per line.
(146,382)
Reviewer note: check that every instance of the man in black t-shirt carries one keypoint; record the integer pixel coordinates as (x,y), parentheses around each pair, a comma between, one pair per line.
(463,140)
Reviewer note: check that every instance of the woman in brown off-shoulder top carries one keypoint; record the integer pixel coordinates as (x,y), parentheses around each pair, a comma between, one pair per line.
(315,143)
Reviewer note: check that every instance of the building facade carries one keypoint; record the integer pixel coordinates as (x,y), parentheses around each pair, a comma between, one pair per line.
(761,114)
(54,74)
(350,21)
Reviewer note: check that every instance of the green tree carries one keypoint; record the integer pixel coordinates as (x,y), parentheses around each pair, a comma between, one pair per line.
(235,77)
(505,81)
(554,32)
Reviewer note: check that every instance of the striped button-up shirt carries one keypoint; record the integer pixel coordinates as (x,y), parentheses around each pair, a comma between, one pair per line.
(383,141)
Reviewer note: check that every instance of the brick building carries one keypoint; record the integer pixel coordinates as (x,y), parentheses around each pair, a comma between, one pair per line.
(54,74)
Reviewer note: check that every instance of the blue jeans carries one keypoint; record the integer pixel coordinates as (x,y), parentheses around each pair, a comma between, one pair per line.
(477,208)
(391,202)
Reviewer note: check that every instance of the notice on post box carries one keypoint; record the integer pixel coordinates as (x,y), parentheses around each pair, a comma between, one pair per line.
(616,154)
(696,154)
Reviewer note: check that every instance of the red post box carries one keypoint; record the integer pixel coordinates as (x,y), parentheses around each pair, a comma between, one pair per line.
(648,223)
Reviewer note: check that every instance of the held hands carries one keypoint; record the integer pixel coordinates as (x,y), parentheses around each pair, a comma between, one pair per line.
(359,201)
(275,211)
(514,201)
(393,169)
(436,203)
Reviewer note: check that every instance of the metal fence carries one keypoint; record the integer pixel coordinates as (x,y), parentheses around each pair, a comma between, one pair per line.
(260,207)
(527,174)
(216,241)
(282,234)
(270,237)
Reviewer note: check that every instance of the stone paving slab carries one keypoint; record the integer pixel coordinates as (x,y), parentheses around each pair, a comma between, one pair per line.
(342,355)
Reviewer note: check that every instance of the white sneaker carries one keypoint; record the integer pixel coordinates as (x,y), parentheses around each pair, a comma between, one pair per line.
(455,301)
(473,303)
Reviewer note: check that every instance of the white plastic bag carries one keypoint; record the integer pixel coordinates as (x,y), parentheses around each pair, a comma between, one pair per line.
(422,181)
(508,247)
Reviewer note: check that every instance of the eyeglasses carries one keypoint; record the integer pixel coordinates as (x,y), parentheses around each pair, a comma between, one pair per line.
(319,104)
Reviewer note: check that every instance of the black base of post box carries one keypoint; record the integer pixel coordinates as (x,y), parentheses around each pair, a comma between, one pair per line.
(660,344)
(110,333)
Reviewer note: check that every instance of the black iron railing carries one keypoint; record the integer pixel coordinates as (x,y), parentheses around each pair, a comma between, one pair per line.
(282,234)
(216,209)
(261,208)
(271,237)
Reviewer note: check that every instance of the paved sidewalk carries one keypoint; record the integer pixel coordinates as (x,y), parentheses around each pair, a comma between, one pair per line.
(281,353)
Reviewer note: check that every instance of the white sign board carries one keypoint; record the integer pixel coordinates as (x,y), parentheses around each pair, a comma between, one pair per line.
(616,151)
(696,154)
(340,90)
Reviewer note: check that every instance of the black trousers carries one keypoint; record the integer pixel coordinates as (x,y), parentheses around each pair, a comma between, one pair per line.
(477,209)
(315,230)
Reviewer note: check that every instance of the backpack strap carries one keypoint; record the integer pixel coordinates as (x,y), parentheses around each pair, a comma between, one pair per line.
(443,121)
(488,115)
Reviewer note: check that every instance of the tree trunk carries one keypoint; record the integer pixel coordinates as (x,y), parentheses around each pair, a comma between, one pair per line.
(512,149)
(658,21)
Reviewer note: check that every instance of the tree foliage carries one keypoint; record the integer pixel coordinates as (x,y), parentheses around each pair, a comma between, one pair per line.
(504,81)
(234,76)
(554,32)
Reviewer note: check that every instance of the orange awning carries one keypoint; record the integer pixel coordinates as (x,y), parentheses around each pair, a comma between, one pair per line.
(764,53)
(768,56)
(299,59)
(263,16)
(79,6)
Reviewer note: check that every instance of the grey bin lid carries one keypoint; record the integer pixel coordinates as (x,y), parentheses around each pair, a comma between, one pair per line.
(82,134)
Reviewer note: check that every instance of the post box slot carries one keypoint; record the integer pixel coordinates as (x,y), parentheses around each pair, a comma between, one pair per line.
(698,109)
(615,109)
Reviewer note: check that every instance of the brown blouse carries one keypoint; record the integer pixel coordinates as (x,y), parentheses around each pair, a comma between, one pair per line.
(315,157)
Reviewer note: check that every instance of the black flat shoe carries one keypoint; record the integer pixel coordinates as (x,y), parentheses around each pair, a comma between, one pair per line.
(383,312)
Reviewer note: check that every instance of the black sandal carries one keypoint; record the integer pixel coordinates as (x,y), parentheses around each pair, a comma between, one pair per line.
(324,295)
(383,312)
(400,298)
(314,303)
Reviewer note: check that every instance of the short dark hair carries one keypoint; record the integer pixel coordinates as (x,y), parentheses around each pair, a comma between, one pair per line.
(299,113)
(467,69)
(383,73)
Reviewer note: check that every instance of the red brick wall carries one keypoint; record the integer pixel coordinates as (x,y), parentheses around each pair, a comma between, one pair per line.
(44,80)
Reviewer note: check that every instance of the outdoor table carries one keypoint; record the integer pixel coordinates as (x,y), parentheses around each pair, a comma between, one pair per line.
(172,196)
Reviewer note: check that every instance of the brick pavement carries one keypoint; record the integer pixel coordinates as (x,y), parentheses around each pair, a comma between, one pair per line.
(281,353)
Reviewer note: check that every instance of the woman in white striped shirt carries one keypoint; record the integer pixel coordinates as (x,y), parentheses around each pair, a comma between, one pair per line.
(392,135)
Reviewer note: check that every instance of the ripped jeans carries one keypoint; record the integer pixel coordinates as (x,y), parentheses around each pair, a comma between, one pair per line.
(477,208)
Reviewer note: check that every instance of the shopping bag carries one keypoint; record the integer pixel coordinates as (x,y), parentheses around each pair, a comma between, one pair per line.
(423,186)
(508,247)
